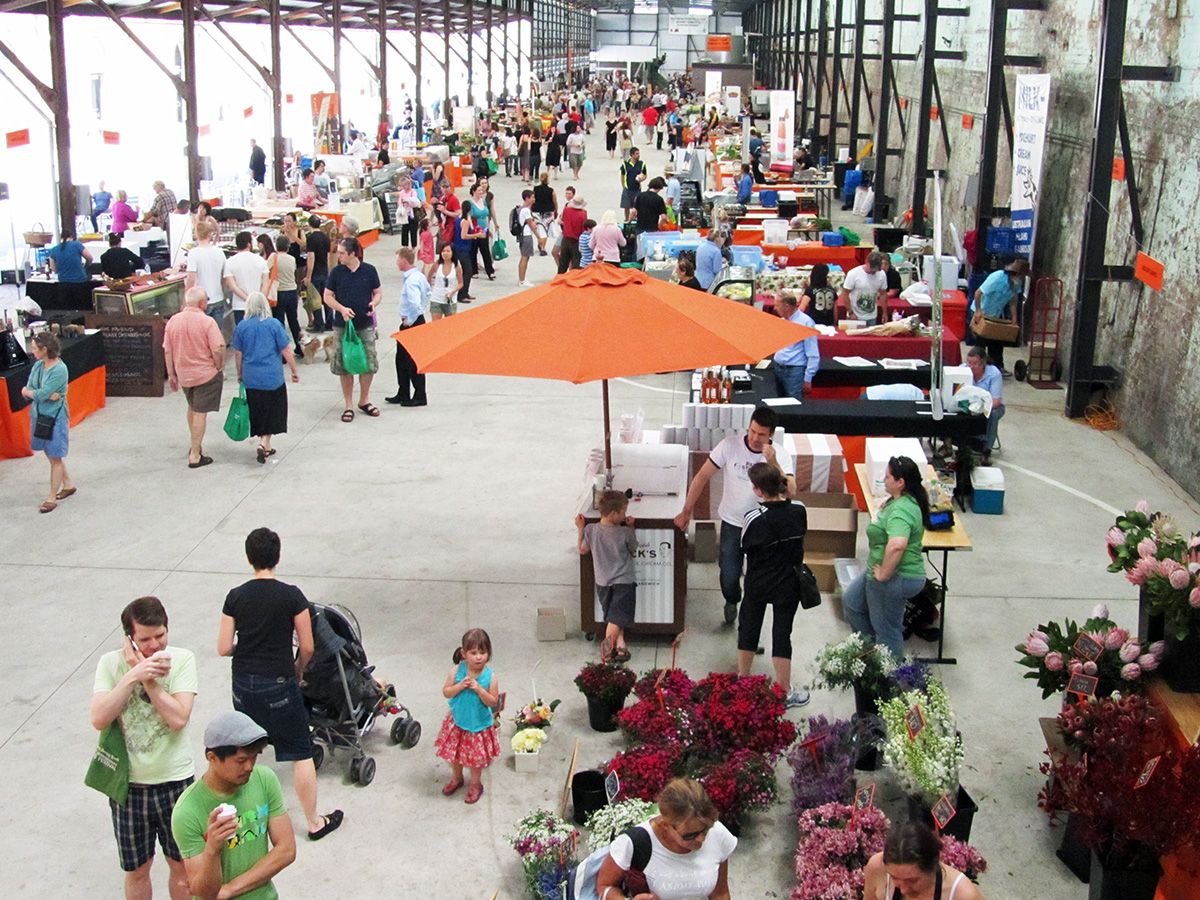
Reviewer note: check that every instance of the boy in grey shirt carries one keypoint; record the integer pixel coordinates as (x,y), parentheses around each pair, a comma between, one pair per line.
(612,543)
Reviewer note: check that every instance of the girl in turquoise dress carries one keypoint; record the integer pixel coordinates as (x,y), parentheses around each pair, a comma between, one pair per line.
(468,734)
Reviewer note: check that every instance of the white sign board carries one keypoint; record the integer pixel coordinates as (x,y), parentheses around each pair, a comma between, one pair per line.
(654,568)
(1029,142)
(783,112)
(733,100)
(687,24)
(712,88)
(464,119)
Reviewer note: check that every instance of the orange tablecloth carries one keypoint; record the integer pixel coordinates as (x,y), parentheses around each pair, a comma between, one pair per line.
(812,252)
(85,395)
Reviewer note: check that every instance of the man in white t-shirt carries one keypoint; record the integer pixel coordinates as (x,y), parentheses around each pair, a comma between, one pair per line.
(245,273)
(205,265)
(529,234)
(734,456)
(151,690)
(864,291)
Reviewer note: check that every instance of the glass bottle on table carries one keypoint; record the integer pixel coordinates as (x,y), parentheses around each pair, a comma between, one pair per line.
(727,388)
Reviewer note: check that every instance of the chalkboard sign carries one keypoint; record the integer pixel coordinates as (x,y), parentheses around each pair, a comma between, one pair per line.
(1083,685)
(915,720)
(943,811)
(1088,647)
(133,354)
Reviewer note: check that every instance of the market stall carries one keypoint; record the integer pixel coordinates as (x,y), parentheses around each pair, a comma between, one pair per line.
(84,358)
(873,346)
(53,295)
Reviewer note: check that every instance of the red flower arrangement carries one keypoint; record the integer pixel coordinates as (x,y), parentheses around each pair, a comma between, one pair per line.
(743,712)
(649,721)
(646,769)
(743,781)
(675,683)
(1125,743)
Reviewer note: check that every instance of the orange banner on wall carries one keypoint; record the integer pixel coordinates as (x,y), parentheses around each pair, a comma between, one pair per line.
(720,43)
(17,138)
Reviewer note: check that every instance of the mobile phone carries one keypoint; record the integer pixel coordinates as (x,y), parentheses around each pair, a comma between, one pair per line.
(133,643)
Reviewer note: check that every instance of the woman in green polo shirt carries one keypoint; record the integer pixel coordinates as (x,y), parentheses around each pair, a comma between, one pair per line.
(874,602)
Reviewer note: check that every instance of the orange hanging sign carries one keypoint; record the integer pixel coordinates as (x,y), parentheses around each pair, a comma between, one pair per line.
(1148,271)
(968,121)
(933,113)
(204,130)
(720,43)
(1118,169)
(904,103)
(247,112)
(17,138)
(288,98)
(112,137)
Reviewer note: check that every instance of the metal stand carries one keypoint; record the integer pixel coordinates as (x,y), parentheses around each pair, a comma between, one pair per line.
(941,659)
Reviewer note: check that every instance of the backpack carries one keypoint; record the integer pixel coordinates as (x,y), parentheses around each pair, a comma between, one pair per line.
(514,222)
(581,883)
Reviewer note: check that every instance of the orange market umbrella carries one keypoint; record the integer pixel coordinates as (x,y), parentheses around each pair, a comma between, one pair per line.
(596,323)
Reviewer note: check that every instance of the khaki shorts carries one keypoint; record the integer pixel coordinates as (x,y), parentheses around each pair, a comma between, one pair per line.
(368,338)
(205,398)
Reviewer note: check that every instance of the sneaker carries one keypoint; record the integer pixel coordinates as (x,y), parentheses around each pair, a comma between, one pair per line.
(730,613)
(526,284)
(797,699)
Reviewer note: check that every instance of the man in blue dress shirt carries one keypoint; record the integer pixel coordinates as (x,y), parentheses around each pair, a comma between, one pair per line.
(708,257)
(796,365)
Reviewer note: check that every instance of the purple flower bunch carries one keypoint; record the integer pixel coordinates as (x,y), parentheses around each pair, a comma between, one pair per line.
(822,771)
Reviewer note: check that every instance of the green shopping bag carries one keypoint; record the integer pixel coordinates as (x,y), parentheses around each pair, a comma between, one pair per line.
(237,423)
(109,769)
(491,166)
(499,249)
(354,354)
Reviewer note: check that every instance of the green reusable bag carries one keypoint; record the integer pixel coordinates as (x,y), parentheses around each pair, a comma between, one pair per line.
(354,354)
(237,423)
(109,769)
(499,249)
(491,166)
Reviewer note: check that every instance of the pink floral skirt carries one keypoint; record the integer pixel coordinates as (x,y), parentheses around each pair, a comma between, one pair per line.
(473,749)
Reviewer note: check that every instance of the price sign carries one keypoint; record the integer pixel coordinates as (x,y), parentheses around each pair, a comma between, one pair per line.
(864,797)
(1088,647)
(1146,773)
(915,719)
(1083,685)
(612,786)
(1149,271)
(811,743)
(943,811)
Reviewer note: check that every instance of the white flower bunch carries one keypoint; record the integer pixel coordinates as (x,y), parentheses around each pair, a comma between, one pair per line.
(609,821)
(846,663)
(929,764)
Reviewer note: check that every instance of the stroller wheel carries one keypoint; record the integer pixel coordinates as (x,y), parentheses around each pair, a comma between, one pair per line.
(397,732)
(355,768)
(412,734)
(318,756)
(366,772)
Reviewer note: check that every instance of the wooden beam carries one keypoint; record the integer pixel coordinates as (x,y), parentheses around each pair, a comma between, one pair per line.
(47,93)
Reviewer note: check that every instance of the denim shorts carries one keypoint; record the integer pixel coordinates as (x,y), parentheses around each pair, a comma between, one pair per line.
(278,706)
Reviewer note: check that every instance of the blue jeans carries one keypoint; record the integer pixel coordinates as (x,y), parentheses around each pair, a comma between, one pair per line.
(876,608)
(789,381)
(994,418)
(730,562)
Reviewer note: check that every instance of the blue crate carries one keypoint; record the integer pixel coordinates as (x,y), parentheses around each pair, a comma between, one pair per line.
(974,282)
(768,199)
(833,239)
(1002,240)
(747,256)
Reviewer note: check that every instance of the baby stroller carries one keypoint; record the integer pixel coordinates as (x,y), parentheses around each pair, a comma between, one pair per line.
(343,698)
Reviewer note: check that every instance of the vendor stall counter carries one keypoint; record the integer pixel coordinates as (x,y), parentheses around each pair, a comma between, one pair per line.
(658,476)
(53,295)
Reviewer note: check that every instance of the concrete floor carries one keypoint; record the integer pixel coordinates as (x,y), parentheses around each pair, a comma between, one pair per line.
(427,521)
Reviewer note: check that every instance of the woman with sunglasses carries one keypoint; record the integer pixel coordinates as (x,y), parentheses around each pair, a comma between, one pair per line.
(690,851)
(875,601)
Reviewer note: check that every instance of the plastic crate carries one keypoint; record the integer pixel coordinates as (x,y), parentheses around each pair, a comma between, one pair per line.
(768,199)
(747,256)
(832,239)
(1001,240)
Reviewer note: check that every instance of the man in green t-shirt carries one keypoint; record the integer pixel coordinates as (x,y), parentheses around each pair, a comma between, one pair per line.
(150,688)
(234,853)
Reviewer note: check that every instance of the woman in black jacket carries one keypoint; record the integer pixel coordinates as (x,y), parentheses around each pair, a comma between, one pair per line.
(773,541)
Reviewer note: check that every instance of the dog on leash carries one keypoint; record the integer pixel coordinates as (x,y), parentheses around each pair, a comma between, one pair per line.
(328,348)
(310,350)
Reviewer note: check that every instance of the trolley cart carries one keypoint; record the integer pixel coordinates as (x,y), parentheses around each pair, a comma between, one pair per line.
(1044,368)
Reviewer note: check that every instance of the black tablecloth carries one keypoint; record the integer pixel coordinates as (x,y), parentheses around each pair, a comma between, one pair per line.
(836,374)
(57,295)
(895,418)
(80,354)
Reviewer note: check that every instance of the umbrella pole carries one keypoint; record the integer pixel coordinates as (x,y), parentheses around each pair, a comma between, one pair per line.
(607,441)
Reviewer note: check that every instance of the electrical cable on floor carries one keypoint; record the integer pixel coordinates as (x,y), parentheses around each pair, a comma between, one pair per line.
(1102,416)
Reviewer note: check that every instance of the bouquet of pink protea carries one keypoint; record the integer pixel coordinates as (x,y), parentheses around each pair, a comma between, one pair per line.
(1121,666)
(1151,550)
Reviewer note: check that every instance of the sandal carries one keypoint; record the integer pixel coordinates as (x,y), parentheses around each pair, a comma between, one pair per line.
(332,821)
(262,454)
(474,792)
(65,493)
(451,786)
(203,461)
(348,416)
(370,409)
(606,650)
(621,655)
(48,506)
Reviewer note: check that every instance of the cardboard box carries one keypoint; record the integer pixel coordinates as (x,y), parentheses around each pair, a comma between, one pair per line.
(880,450)
(822,569)
(551,623)
(1003,330)
(832,526)
(820,464)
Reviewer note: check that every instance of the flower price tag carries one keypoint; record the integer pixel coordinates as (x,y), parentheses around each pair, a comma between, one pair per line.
(864,797)
(943,812)
(501,699)
(1088,647)
(811,743)
(1146,773)
(612,786)
(915,720)
(1082,685)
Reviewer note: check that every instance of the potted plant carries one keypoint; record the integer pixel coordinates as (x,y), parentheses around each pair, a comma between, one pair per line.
(606,823)
(1136,793)
(546,845)
(526,744)
(859,665)
(605,686)
(1153,553)
(834,847)
(1122,665)
(926,753)
(538,714)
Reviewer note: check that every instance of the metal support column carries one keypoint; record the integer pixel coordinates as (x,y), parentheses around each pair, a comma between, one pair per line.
(339,142)
(383,90)
(856,75)
(275,84)
(838,81)
(446,94)
(470,54)
(504,54)
(62,122)
(191,122)
(882,209)
(928,45)
(818,141)
(418,73)
(491,95)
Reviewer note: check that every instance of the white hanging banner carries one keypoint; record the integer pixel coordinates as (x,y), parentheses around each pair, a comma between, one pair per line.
(687,24)
(783,111)
(733,99)
(712,88)
(1029,143)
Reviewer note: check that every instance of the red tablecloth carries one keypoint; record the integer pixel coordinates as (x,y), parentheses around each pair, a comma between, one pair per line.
(954,310)
(876,347)
(812,252)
